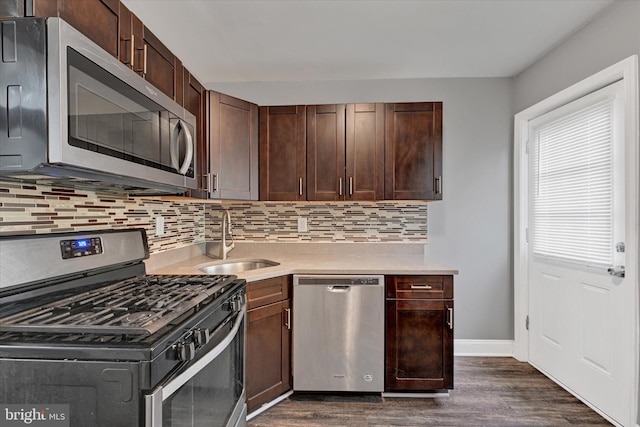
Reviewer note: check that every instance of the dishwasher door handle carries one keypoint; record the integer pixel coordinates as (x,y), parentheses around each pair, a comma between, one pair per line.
(338,288)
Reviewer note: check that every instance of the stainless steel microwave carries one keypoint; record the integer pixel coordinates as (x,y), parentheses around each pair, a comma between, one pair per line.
(72,114)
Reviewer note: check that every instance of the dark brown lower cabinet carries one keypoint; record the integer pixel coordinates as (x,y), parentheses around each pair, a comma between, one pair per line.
(268,352)
(419,333)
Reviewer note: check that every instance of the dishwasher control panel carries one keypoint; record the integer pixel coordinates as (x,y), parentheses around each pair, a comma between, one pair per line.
(340,280)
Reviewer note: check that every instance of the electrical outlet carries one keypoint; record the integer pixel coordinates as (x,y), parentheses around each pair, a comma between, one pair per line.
(159,226)
(303,227)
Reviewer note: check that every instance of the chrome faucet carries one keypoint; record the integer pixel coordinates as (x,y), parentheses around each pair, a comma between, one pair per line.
(219,248)
(226,229)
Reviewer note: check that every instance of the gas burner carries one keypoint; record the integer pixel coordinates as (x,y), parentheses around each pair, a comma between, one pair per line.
(138,306)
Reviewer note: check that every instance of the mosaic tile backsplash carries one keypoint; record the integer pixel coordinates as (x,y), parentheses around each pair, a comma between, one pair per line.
(41,209)
(26,208)
(327,222)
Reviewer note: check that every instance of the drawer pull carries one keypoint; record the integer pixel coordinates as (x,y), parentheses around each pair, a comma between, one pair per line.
(421,287)
(450,317)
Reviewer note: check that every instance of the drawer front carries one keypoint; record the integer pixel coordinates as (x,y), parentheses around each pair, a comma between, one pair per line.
(268,291)
(419,287)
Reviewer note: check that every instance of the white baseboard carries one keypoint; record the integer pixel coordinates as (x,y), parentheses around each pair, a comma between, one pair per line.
(497,348)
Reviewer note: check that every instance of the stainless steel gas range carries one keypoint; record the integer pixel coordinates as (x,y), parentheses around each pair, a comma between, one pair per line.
(83,330)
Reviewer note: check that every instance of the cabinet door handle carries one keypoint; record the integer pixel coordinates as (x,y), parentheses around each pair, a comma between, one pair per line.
(207,180)
(450,317)
(427,287)
(212,182)
(287,321)
(340,187)
(144,64)
(350,186)
(141,67)
(132,51)
(300,187)
(439,184)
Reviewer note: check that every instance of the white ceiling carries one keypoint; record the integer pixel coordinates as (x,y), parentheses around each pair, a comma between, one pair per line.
(309,40)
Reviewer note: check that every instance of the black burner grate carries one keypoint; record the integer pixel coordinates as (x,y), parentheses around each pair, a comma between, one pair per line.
(138,306)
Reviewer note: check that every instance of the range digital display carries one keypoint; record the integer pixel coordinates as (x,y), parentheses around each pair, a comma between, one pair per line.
(81,247)
(82,243)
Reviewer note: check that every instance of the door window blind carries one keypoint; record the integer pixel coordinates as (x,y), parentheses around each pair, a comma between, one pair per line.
(573,186)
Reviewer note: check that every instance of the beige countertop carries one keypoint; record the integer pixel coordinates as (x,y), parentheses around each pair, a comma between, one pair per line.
(300,258)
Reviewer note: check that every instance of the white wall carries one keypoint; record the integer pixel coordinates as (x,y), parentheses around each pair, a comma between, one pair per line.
(613,36)
(470,229)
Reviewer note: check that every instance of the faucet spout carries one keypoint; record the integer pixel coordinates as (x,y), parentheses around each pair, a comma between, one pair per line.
(226,231)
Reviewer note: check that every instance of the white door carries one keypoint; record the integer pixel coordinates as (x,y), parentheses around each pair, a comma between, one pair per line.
(582,316)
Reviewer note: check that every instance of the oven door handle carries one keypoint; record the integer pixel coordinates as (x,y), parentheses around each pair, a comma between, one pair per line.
(153,401)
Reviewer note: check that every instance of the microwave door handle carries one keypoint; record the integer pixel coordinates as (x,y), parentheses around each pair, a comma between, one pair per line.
(173,146)
(190,149)
(175,141)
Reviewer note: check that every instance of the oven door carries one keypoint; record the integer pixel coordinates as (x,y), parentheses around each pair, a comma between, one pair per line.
(210,390)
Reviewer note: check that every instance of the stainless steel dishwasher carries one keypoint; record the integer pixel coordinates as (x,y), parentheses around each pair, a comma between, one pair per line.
(338,333)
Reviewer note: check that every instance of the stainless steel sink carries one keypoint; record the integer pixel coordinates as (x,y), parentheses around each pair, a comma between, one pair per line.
(238,266)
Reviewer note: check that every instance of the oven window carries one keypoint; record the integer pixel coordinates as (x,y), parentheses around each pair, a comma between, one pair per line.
(209,398)
(108,116)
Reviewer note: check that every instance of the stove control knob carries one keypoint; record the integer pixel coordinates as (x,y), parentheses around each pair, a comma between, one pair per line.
(185,351)
(201,336)
(230,305)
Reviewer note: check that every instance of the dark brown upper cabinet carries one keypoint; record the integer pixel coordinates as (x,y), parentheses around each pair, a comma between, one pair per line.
(145,54)
(283,153)
(131,39)
(364,178)
(325,152)
(345,152)
(233,144)
(97,19)
(413,151)
(194,102)
(158,65)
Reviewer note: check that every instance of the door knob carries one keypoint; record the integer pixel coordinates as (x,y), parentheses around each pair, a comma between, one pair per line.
(617,271)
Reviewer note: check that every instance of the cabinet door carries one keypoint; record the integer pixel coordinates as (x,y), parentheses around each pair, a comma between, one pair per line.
(97,19)
(364,152)
(159,64)
(194,102)
(126,51)
(234,147)
(282,153)
(419,345)
(413,151)
(325,152)
(268,353)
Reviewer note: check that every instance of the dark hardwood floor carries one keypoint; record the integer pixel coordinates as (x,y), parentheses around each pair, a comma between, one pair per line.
(489,391)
